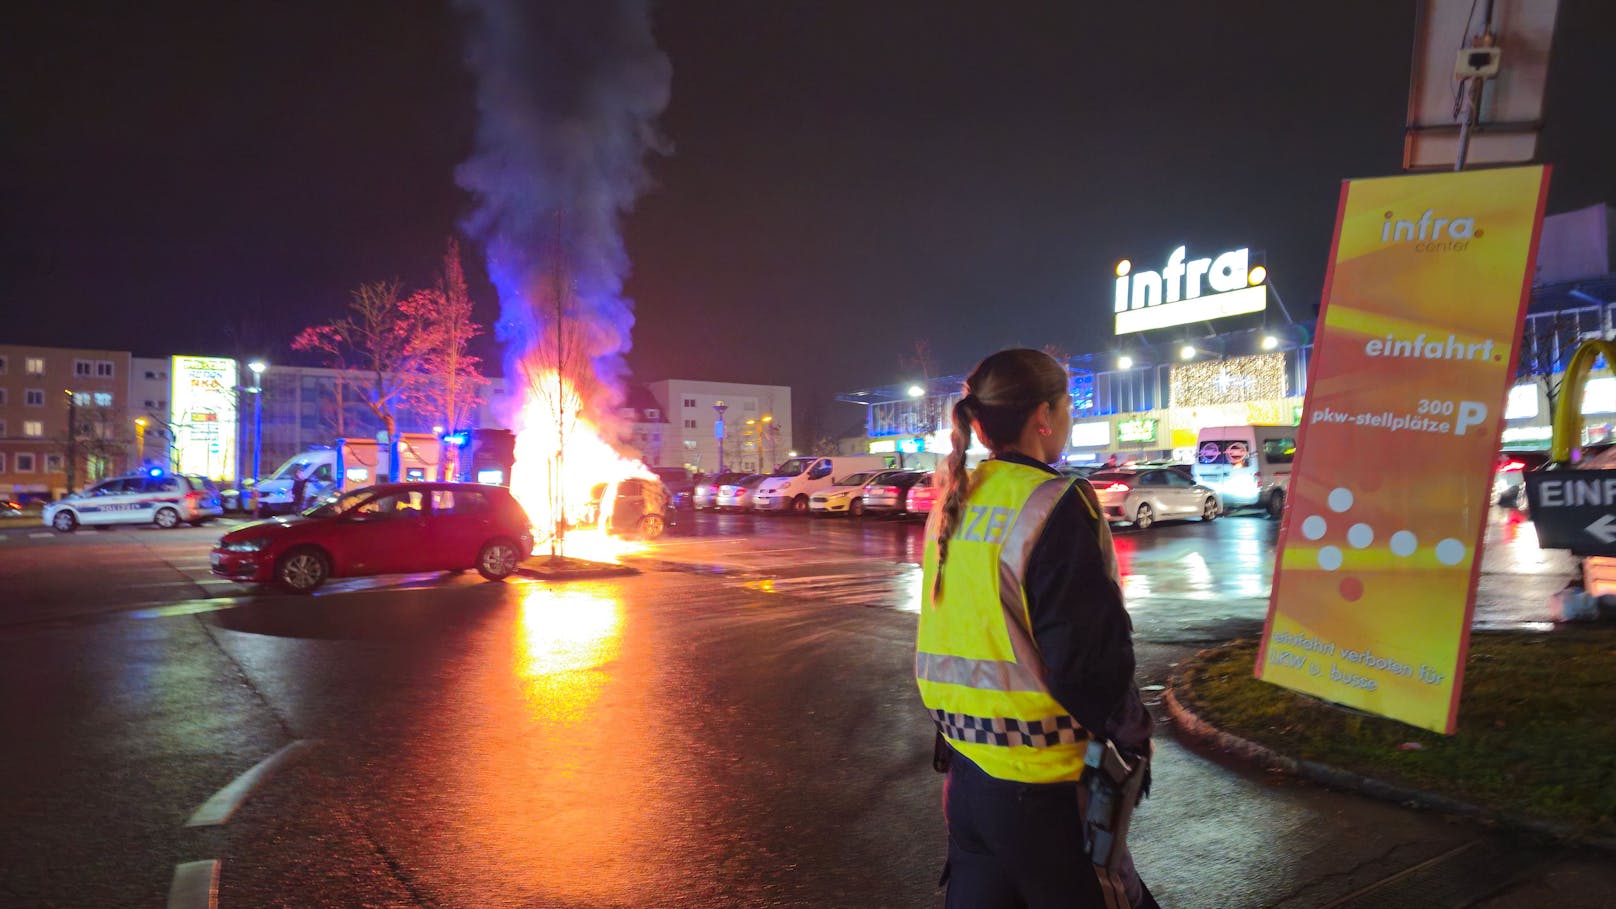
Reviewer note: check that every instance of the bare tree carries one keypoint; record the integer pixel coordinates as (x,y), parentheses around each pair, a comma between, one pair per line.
(447,384)
(377,338)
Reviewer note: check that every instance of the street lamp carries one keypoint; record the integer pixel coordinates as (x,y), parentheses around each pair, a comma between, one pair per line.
(916,391)
(1269,342)
(718,431)
(1124,362)
(257,367)
(1187,352)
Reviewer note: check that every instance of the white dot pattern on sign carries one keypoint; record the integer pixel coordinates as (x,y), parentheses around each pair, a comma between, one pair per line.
(1450,551)
(1404,543)
(1314,527)
(1360,535)
(1330,558)
(1340,499)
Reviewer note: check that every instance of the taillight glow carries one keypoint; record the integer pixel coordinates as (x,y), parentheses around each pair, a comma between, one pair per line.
(1114,487)
(1512,466)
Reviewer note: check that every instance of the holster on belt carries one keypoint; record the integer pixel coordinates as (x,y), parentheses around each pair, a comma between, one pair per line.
(1107,794)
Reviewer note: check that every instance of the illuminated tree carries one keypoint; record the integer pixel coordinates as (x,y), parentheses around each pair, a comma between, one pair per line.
(378,339)
(445,384)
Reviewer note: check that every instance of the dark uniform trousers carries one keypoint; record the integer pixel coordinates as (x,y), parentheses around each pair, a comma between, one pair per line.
(1020,846)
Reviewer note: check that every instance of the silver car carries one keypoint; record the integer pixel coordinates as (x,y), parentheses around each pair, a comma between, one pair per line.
(1142,497)
(737,495)
(706,494)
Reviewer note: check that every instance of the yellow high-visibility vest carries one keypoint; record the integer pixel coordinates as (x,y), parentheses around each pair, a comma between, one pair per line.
(980,672)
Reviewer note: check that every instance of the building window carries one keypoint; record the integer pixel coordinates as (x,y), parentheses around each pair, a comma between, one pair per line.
(103,369)
(690,424)
(53,463)
(25,462)
(2,366)
(81,399)
(690,402)
(34,397)
(150,404)
(103,399)
(690,446)
(652,415)
(2,400)
(2,429)
(83,368)
(2,462)
(33,429)
(35,366)
(751,406)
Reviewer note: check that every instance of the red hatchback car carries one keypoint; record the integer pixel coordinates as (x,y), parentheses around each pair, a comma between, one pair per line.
(388,529)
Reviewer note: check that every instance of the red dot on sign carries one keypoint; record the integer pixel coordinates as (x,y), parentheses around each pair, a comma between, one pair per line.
(1479,231)
(1351,589)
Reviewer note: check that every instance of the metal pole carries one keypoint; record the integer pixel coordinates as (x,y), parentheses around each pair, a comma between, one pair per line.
(72,440)
(1472,89)
(258,430)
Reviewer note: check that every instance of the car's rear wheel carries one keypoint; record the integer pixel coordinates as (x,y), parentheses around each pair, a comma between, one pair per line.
(1144,517)
(799,505)
(498,559)
(167,518)
(1276,504)
(651,527)
(856,509)
(303,569)
(65,522)
(1209,510)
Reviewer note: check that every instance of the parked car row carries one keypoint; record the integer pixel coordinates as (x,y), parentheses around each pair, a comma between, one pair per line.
(891,492)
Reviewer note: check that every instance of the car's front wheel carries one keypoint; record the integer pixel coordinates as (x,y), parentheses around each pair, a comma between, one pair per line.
(65,522)
(799,505)
(856,509)
(498,559)
(651,526)
(303,569)
(167,518)
(1209,510)
(1144,517)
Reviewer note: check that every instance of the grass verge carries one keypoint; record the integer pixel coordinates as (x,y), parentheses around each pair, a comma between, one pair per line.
(1536,736)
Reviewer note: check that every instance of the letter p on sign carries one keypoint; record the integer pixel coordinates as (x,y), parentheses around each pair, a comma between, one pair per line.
(1471,413)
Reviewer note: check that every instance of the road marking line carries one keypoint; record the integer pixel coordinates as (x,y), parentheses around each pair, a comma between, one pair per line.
(40,536)
(195,885)
(218,809)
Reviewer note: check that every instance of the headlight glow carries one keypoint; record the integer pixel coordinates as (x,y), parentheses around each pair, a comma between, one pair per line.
(253,545)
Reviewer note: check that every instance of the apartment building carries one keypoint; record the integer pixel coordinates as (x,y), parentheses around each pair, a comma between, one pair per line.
(41,388)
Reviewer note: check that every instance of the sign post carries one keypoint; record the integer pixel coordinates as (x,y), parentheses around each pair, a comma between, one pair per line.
(1374,583)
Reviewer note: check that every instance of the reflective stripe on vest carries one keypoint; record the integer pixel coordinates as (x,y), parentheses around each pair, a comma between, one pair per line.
(978,668)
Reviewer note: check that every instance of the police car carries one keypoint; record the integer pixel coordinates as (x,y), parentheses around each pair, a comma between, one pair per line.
(151,497)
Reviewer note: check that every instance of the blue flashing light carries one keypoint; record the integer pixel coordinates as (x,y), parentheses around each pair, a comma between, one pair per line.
(154,472)
(457,439)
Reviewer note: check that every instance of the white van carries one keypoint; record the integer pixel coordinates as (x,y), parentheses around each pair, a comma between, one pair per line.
(1249,466)
(788,488)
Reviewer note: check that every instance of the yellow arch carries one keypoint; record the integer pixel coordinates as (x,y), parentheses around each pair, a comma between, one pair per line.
(1568,410)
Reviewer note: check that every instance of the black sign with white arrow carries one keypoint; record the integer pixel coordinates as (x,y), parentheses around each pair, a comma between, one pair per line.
(1574,509)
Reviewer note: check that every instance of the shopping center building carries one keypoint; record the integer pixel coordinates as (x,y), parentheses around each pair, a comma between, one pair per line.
(1206,340)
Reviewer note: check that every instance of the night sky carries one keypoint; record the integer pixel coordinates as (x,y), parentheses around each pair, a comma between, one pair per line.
(845,178)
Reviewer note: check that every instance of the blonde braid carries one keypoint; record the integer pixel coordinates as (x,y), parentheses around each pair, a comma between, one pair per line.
(956,483)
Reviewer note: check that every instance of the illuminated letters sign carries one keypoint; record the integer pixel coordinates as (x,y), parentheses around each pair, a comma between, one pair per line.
(202,410)
(1140,430)
(1196,290)
(1380,549)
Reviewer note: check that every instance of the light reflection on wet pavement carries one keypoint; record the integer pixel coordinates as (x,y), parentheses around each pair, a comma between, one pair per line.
(1184,582)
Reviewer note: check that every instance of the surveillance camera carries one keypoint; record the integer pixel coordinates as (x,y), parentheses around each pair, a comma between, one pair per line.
(1477,63)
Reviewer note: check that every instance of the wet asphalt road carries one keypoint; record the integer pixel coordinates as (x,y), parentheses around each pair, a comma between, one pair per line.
(735,725)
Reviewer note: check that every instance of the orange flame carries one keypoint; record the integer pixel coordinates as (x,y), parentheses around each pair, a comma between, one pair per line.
(566,473)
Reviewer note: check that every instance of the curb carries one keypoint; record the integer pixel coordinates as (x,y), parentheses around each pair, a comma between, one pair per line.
(1192,725)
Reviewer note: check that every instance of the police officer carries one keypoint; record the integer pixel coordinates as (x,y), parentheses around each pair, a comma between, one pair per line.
(1024,652)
